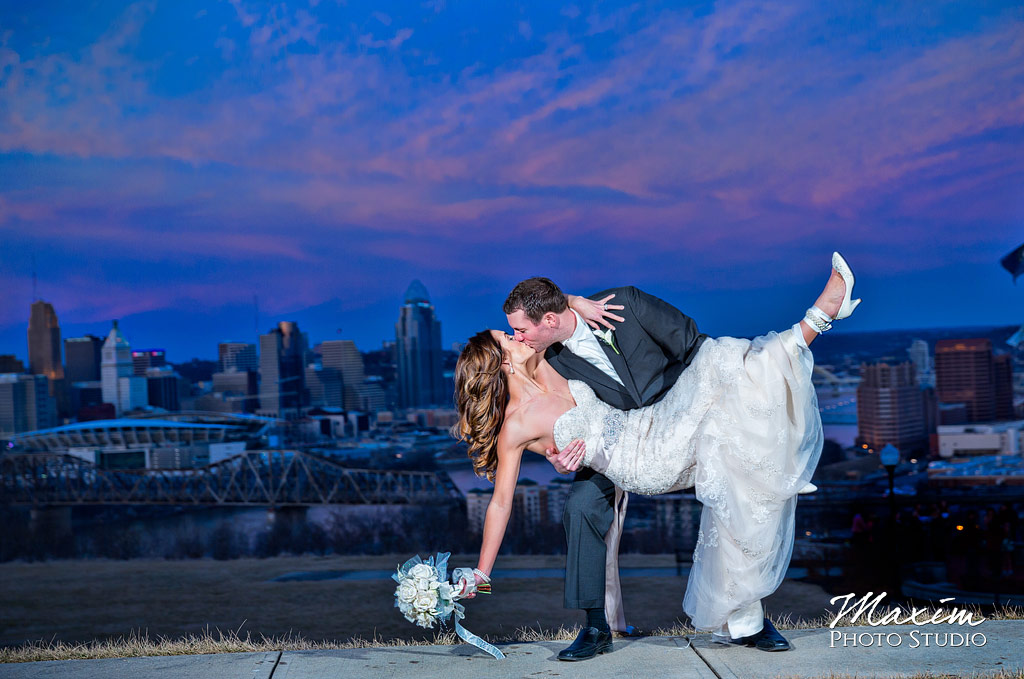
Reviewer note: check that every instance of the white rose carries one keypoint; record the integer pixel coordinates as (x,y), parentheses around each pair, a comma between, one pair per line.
(424,620)
(406,591)
(425,601)
(422,570)
(424,584)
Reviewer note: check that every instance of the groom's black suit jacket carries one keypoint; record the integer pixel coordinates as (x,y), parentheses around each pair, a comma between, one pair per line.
(656,341)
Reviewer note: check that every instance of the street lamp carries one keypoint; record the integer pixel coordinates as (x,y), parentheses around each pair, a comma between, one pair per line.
(890,457)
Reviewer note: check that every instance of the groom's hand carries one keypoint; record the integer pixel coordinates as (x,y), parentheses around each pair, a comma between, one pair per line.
(569,459)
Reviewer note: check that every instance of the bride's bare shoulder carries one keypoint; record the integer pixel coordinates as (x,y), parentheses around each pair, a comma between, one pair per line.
(516,432)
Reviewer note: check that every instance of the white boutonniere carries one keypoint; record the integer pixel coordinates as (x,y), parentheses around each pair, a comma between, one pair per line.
(605,335)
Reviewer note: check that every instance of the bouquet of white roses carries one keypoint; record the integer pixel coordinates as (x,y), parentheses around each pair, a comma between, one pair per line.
(425,597)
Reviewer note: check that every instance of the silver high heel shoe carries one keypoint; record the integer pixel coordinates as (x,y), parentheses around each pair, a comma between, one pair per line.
(821,321)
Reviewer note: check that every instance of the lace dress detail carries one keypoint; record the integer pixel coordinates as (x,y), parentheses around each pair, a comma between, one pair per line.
(740,426)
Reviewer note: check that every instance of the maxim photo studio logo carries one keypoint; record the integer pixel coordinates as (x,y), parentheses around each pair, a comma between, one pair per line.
(865,611)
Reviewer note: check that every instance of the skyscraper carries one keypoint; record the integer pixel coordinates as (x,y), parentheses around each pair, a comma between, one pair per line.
(83,356)
(922,360)
(237,356)
(343,356)
(1002,374)
(25,404)
(44,342)
(44,351)
(418,344)
(122,388)
(965,373)
(282,371)
(891,407)
(9,363)
(144,359)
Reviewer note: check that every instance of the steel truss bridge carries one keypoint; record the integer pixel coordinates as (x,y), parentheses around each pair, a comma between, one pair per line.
(274,478)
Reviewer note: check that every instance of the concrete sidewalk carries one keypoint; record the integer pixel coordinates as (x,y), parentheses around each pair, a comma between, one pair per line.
(904,650)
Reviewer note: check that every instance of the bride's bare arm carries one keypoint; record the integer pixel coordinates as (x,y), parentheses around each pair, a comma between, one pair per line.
(500,508)
(595,312)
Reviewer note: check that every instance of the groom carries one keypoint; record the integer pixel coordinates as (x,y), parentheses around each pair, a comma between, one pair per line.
(633,366)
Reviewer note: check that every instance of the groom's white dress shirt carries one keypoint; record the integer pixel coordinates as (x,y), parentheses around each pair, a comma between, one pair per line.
(584,343)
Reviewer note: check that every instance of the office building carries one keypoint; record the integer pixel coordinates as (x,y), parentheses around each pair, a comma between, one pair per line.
(44,347)
(922,360)
(891,408)
(25,403)
(145,359)
(358,393)
(44,352)
(82,358)
(238,390)
(122,388)
(966,371)
(237,356)
(9,363)
(325,386)
(165,388)
(1002,374)
(282,371)
(418,347)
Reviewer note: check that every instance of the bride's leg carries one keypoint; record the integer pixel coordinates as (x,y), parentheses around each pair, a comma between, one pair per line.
(829,301)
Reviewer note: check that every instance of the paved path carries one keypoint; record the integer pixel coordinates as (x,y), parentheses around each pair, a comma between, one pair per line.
(904,650)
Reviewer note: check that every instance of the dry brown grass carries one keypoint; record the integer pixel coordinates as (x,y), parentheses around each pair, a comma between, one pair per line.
(97,609)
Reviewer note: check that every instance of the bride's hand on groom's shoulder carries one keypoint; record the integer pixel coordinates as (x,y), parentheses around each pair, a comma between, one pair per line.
(596,312)
(569,459)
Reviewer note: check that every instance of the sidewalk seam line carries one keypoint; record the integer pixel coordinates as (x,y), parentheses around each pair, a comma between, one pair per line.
(276,663)
(705,660)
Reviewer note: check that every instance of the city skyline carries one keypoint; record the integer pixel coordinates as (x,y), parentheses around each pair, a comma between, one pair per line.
(161,164)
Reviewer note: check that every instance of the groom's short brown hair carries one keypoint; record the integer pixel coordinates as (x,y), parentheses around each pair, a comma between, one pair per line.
(535,297)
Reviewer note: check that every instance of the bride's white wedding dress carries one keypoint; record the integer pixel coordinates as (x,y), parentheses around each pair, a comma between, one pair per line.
(741,425)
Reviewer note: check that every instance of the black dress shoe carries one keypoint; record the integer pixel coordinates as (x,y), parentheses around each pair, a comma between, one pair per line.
(590,642)
(768,639)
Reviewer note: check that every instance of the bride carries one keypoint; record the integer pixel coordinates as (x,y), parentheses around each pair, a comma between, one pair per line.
(740,425)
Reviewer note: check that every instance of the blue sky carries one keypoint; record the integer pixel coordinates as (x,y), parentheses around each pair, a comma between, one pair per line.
(165,163)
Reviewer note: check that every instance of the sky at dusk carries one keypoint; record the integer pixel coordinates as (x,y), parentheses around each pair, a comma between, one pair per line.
(165,163)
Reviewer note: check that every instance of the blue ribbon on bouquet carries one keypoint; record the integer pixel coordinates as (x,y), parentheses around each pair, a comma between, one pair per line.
(457,610)
(473,639)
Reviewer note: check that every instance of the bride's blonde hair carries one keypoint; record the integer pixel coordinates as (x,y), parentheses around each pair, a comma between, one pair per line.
(481,394)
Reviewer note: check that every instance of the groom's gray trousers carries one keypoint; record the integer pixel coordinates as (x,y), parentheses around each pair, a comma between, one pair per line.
(588,515)
(653,346)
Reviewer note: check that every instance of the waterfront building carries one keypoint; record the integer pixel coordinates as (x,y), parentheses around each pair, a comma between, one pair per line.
(418,347)
(167,442)
(891,408)
(122,388)
(237,356)
(965,372)
(145,359)
(25,403)
(995,438)
(282,371)
(83,357)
